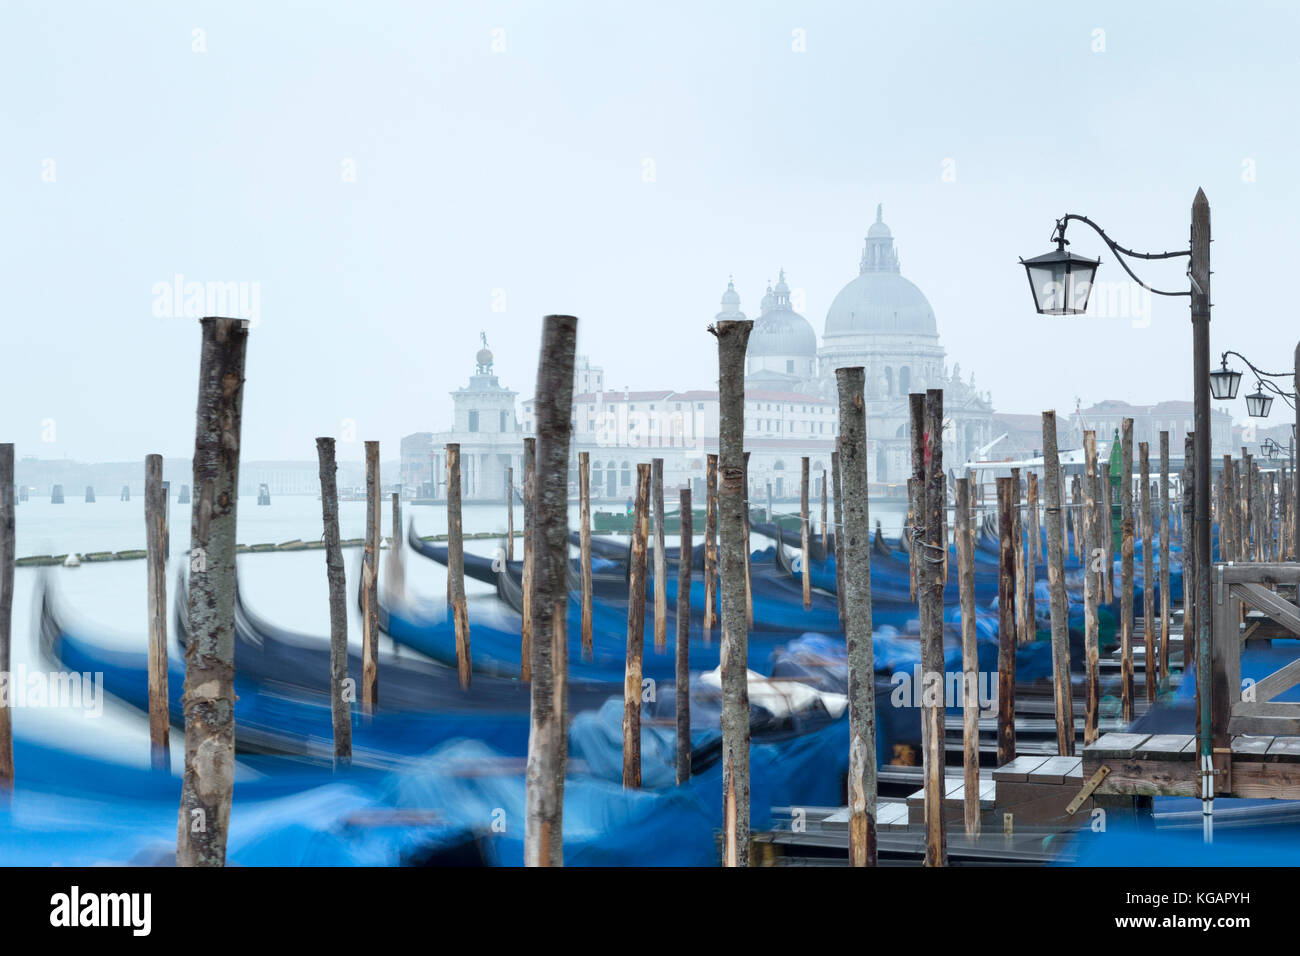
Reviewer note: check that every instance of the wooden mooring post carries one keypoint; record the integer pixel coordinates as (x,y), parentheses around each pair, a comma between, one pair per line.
(969,662)
(1190,569)
(526,627)
(548,711)
(370,587)
(915,484)
(457,605)
(853,549)
(1104,520)
(1152,668)
(661,560)
(635,631)
(1164,555)
(155,507)
(1006,625)
(1018,549)
(933,549)
(209,696)
(510,511)
(336,580)
(584,549)
(1033,550)
(710,545)
(805,567)
(7,557)
(1126,570)
(1093,550)
(396,579)
(683,661)
(733,504)
(1058,605)
(825,529)
(839,535)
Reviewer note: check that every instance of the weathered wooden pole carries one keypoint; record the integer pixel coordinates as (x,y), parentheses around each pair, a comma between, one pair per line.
(932,548)
(805,569)
(854,549)
(970,705)
(1164,554)
(1018,549)
(1056,590)
(771,514)
(548,519)
(839,535)
(370,587)
(1148,575)
(526,625)
(1093,551)
(510,511)
(458,607)
(635,631)
(1102,499)
(749,586)
(683,661)
(661,560)
(915,485)
(7,558)
(1076,516)
(1032,553)
(827,544)
(1006,625)
(155,505)
(396,579)
(1189,554)
(209,695)
(733,339)
(1126,570)
(341,691)
(584,549)
(710,545)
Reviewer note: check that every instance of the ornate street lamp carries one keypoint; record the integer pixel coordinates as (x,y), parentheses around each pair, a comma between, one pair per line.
(1060,280)
(1258,403)
(1224,382)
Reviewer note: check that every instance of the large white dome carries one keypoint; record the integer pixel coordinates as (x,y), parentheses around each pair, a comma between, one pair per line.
(880,299)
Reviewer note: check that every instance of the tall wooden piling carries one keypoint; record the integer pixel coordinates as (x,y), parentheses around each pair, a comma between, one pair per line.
(458,608)
(683,661)
(805,568)
(1033,551)
(1164,554)
(1190,569)
(396,579)
(915,485)
(1076,521)
(1018,549)
(526,625)
(749,585)
(710,545)
(854,550)
(825,529)
(584,549)
(7,558)
(970,705)
(336,581)
(1006,625)
(661,560)
(1057,603)
(1105,523)
(1126,570)
(733,338)
(155,506)
(1148,575)
(1093,551)
(209,696)
(370,586)
(510,511)
(839,535)
(771,514)
(933,549)
(549,517)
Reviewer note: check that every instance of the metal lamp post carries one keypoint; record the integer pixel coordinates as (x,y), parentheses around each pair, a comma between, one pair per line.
(1056,285)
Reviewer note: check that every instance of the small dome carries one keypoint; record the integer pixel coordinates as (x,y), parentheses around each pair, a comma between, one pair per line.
(780,331)
(730,304)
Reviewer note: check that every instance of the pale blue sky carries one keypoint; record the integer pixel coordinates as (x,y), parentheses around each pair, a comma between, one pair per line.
(523,171)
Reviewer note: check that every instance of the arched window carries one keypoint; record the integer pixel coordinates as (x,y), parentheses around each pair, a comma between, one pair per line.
(904,379)
(627,475)
(779,466)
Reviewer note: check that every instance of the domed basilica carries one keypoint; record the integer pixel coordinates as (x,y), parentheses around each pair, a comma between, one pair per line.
(884,323)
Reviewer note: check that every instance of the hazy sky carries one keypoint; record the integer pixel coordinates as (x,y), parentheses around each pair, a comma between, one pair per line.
(500,154)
